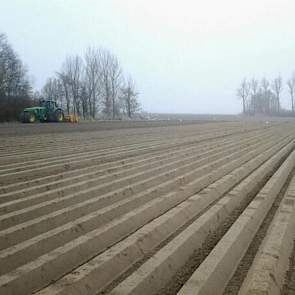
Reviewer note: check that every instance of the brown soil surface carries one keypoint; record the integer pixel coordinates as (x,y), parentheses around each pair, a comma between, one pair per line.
(86,208)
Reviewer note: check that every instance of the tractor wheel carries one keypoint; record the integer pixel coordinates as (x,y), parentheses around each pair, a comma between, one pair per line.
(59,116)
(43,118)
(31,117)
(27,117)
(23,117)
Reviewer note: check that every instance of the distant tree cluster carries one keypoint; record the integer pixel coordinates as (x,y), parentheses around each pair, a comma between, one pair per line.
(265,97)
(89,86)
(15,88)
(93,84)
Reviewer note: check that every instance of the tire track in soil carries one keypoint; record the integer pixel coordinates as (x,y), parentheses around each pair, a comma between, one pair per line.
(199,255)
(289,285)
(240,274)
(184,273)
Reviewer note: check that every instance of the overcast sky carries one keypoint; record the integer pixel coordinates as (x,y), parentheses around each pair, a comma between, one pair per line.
(185,56)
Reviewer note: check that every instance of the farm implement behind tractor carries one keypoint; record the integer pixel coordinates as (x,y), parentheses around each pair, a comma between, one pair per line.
(47,111)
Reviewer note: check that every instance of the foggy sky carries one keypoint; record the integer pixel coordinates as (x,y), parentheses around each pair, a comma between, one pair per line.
(185,56)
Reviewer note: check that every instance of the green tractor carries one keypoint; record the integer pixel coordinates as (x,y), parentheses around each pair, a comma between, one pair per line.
(48,111)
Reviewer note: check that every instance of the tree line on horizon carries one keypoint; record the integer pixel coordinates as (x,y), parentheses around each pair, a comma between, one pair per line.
(90,86)
(264,97)
(93,85)
(15,87)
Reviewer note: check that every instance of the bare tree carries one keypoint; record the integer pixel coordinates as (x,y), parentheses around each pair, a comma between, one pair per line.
(243,93)
(277,87)
(13,74)
(264,85)
(116,82)
(253,91)
(129,96)
(86,86)
(92,79)
(15,86)
(111,80)
(104,60)
(51,89)
(84,101)
(65,89)
(91,85)
(291,88)
(73,70)
(265,96)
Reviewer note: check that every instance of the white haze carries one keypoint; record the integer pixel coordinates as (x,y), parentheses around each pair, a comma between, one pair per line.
(186,56)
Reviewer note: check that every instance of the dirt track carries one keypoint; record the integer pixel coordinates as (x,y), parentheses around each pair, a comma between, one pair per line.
(174,208)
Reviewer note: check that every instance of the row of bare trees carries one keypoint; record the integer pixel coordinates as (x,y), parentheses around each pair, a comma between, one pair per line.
(264,97)
(93,85)
(15,88)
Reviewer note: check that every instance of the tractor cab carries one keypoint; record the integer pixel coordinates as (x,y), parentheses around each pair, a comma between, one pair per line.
(50,105)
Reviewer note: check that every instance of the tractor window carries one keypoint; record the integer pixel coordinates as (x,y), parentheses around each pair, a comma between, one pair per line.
(42,103)
(51,105)
(48,104)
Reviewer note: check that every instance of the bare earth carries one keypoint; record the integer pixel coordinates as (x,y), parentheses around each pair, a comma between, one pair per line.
(148,207)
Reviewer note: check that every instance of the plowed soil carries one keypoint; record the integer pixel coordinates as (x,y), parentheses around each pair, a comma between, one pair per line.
(147,207)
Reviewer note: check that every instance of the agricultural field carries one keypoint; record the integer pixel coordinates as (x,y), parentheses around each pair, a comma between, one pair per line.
(149,208)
